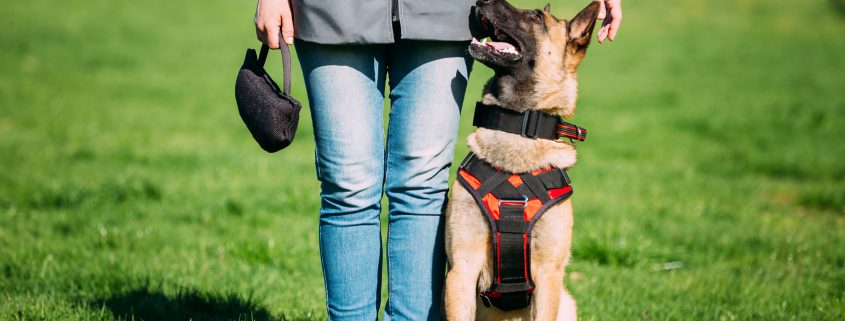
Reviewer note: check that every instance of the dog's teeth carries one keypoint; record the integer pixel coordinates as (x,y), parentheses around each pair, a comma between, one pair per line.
(509,50)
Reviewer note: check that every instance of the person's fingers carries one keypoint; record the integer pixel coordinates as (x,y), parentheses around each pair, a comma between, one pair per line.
(616,13)
(272,31)
(602,13)
(602,34)
(260,34)
(287,27)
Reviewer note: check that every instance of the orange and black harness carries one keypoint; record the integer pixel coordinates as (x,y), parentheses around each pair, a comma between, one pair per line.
(513,202)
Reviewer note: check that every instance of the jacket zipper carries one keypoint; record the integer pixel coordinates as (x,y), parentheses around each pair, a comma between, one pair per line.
(394,17)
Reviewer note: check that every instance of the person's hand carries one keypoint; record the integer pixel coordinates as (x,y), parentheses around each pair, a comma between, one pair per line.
(270,17)
(610,25)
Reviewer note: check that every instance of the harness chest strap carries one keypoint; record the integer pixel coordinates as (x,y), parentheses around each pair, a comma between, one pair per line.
(512,203)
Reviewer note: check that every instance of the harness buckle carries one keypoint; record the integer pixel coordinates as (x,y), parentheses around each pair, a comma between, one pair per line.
(522,201)
(525,119)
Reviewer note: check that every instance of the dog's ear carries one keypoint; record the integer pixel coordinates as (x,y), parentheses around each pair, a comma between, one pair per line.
(581,27)
(548,7)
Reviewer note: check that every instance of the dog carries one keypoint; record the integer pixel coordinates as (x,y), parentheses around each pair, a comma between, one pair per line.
(535,57)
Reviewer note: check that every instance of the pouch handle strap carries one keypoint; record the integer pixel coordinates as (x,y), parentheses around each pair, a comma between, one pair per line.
(262,57)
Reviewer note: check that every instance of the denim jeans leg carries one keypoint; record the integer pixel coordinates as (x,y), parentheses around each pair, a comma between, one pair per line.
(345,85)
(428,80)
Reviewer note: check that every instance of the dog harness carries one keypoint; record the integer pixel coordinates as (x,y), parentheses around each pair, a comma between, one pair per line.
(513,202)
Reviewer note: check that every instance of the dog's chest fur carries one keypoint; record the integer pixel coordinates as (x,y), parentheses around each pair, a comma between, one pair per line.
(518,154)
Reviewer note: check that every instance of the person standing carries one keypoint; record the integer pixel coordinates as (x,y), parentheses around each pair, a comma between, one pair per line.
(349,50)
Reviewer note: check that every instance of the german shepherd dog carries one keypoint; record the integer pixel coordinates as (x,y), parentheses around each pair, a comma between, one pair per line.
(535,57)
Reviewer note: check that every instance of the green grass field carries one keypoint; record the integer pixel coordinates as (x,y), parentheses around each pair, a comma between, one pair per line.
(712,186)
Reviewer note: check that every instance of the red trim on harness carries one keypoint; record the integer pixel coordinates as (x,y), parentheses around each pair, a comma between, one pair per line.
(531,208)
(498,257)
(541,171)
(558,192)
(474,182)
(493,294)
(525,256)
(515,180)
(492,204)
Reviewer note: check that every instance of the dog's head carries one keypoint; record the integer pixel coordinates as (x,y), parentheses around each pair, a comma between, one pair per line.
(535,56)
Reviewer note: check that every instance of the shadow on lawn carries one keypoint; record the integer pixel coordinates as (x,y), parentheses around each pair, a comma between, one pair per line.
(189,305)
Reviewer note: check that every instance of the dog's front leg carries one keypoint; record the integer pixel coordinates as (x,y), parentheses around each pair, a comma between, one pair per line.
(547,295)
(461,282)
(567,310)
(468,246)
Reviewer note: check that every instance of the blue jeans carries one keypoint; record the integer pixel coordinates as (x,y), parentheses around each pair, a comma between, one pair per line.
(356,162)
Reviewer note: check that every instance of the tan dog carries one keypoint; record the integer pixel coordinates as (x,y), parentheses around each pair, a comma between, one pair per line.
(535,57)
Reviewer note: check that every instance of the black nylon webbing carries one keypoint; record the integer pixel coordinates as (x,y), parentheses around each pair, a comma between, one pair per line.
(536,187)
(512,301)
(511,219)
(524,190)
(554,179)
(493,183)
(512,270)
(531,123)
(507,192)
(512,283)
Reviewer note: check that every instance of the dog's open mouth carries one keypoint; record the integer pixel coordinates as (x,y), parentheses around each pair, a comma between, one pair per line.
(500,43)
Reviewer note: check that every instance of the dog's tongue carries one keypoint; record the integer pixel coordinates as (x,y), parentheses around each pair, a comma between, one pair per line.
(497,45)
(501,46)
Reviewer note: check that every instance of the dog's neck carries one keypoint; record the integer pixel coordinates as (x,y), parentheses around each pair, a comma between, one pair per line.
(518,154)
(511,92)
(512,152)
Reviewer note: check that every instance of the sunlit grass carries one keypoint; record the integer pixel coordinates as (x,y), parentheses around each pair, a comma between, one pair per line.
(712,186)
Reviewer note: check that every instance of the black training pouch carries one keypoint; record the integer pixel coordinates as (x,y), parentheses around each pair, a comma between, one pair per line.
(270,114)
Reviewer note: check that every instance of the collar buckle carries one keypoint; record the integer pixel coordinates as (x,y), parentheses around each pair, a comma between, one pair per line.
(525,123)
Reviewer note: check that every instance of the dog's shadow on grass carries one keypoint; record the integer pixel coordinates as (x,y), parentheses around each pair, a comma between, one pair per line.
(143,304)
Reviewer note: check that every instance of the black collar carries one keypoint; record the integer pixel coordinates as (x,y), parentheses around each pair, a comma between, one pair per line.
(530,123)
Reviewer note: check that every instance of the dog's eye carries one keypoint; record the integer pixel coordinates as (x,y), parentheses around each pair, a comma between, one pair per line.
(535,15)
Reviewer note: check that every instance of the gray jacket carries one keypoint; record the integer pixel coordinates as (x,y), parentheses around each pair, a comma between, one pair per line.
(372,21)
